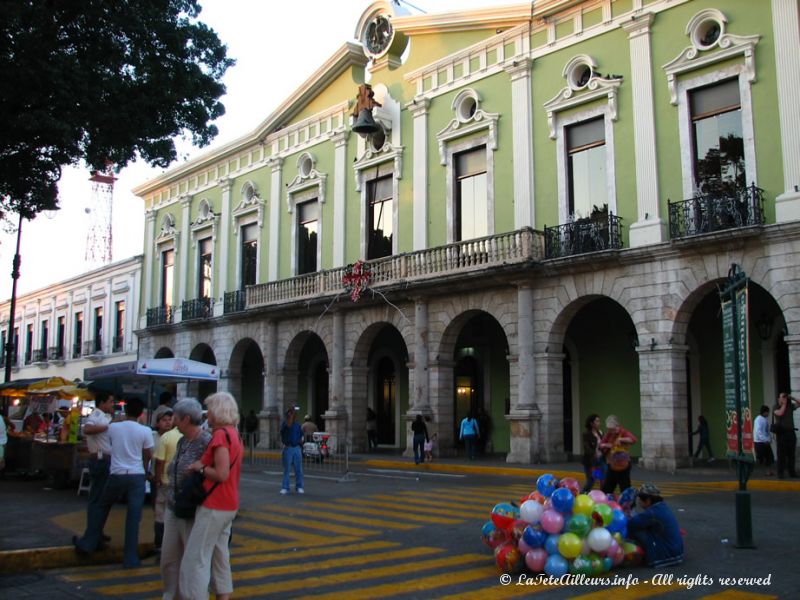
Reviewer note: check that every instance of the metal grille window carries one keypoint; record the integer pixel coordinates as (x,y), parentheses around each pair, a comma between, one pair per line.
(98,329)
(61,334)
(472,204)
(28,344)
(307,233)
(586,167)
(45,338)
(167,276)
(717,138)
(78,343)
(380,216)
(119,326)
(204,256)
(249,264)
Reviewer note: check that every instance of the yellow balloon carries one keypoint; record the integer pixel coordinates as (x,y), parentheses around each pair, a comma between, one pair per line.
(569,545)
(583,505)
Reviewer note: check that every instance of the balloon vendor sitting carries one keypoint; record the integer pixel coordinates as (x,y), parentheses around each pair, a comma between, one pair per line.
(656,529)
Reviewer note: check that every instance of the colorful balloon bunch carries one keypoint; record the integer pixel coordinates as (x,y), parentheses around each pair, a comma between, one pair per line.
(557,530)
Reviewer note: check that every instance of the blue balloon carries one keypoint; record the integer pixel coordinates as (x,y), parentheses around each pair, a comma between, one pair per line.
(534,536)
(546,484)
(619,523)
(628,497)
(562,500)
(556,565)
(551,543)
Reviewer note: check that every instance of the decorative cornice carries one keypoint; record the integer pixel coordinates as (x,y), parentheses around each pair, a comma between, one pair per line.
(418,107)
(692,58)
(372,158)
(225,184)
(597,88)
(638,25)
(251,202)
(339,137)
(456,129)
(307,177)
(519,68)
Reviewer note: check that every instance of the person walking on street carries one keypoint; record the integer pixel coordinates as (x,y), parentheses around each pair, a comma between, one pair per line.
(207,556)
(763,440)
(420,438)
(783,419)
(131,449)
(95,429)
(292,455)
(470,432)
(592,455)
(192,443)
(705,442)
(615,446)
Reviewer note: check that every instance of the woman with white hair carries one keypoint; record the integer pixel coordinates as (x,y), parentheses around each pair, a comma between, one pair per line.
(207,557)
(616,445)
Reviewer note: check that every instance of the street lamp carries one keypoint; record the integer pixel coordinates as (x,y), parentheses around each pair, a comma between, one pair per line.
(11,339)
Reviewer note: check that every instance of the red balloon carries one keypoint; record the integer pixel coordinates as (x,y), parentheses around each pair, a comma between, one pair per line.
(571,484)
(536,496)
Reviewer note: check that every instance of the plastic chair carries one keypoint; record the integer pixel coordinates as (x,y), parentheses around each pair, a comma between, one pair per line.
(85,483)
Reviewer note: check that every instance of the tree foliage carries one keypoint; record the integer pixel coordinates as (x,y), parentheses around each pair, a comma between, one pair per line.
(100,81)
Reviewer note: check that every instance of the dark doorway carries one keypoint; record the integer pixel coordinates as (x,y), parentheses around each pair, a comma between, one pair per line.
(386,401)
(567,387)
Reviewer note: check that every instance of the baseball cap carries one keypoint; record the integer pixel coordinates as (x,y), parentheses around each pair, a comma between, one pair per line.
(649,489)
(160,412)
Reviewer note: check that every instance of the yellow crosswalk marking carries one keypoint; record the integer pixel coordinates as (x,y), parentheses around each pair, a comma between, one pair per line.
(409,506)
(328,516)
(390,514)
(317,524)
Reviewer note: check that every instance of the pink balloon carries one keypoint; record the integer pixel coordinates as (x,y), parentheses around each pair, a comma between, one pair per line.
(536,558)
(523,547)
(552,521)
(598,496)
(612,548)
(618,557)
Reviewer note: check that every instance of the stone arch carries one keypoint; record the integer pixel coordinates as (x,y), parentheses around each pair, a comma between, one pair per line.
(306,360)
(459,310)
(164,352)
(202,352)
(246,375)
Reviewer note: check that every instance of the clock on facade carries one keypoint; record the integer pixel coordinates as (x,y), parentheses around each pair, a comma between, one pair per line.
(378,35)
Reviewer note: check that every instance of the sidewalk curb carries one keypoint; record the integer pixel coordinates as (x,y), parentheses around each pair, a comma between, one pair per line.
(60,557)
(473,469)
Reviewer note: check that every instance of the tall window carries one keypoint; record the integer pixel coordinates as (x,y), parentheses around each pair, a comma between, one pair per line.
(167,276)
(249,255)
(119,325)
(204,250)
(717,138)
(28,344)
(98,329)
(76,350)
(380,217)
(586,167)
(61,334)
(307,232)
(472,205)
(45,338)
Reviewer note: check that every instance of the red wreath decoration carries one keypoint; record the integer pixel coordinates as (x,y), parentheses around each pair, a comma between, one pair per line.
(356,279)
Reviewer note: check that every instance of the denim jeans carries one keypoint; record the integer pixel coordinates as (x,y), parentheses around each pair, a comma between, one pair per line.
(292,457)
(98,470)
(130,487)
(419,448)
(470,442)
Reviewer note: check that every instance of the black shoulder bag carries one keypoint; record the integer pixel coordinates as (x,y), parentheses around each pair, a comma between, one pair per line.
(191,492)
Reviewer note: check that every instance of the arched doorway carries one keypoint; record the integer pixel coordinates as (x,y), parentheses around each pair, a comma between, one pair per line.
(385,394)
(312,379)
(247,365)
(202,389)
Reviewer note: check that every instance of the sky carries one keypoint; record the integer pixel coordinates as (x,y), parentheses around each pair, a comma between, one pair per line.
(276,45)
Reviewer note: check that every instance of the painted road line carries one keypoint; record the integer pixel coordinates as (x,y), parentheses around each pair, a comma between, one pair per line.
(424,503)
(312,567)
(496,591)
(415,473)
(431,582)
(739,595)
(339,505)
(319,524)
(349,577)
(392,503)
(643,590)
(329,516)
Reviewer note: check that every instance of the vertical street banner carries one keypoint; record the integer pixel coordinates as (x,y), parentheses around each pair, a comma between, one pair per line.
(736,363)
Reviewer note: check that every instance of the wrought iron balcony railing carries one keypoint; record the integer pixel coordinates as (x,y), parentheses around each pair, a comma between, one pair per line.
(592,234)
(40,355)
(716,212)
(55,353)
(199,308)
(523,245)
(234,301)
(28,358)
(117,343)
(92,347)
(160,315)
(77,349)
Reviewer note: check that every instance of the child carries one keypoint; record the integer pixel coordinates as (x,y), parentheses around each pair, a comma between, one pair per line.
(429,448)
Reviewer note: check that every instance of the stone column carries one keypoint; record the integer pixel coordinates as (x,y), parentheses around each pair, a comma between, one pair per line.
(274,217)
(336,415)
(355,386)
(442,403)
(183,271)
(793,344)
(524,416)
(522,126)
(787,61)
(339,195)
(222,267)
(662,392)
(649,228)
(419,403)
(550,402)
(419,111)
(148,260)
(269,418)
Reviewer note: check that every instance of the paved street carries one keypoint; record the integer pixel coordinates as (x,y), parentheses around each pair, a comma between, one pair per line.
(407,533)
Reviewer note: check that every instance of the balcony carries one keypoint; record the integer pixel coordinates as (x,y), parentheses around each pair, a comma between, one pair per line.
(55,353)
(601,231)
(460,258)
(161,315)
(199,308)
(716,212)
(92,347)
(234,302)
(40,355)
(117,343)
(77,349)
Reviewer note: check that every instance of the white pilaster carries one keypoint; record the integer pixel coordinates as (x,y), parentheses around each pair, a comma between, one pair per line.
(339,199)
(274,217)
(337,364)
(183,272)
(649,228)
(149,259)
(522,117)
(421,399)
(419,110)
(785,18)
(221,286)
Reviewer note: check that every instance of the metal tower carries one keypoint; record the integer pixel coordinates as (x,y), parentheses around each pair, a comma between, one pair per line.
(98,241)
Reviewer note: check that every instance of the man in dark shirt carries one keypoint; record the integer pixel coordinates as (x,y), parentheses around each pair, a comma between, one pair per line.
(292,455)
(655,529)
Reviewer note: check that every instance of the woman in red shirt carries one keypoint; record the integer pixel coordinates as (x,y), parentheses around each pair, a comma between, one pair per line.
(615,446)
(221,466)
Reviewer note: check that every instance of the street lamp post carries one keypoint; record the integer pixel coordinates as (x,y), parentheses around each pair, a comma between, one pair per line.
(11,339)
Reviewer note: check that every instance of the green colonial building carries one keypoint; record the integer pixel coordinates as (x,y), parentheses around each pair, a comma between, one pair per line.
(531,220)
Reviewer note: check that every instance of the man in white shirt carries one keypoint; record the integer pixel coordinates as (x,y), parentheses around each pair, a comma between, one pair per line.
(95,429)
(131,449)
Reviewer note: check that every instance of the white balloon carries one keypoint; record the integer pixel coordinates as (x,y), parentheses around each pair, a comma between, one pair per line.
(599,539)
(531,511)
